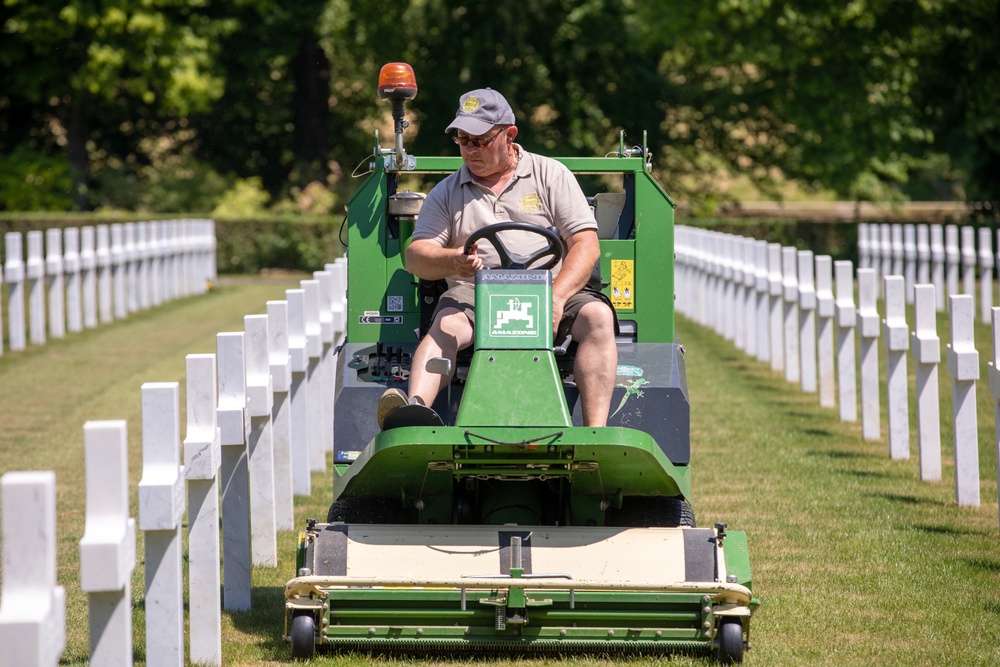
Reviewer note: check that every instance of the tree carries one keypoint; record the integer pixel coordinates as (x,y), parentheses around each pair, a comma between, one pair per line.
(78,74)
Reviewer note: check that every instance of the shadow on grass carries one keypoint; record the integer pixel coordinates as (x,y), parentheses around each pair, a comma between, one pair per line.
(985,564)
(943,530)
(904,498)
(265,620)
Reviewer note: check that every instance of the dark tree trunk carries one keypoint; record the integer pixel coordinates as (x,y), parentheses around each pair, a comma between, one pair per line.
(76,137)
(310,102)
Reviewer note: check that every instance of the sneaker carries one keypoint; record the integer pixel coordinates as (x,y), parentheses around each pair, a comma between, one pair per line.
(391,399)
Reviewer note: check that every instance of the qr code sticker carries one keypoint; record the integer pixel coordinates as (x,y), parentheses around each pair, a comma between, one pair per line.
(395,304)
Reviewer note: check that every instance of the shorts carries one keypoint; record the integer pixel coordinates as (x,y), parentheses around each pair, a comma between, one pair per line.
(463,297)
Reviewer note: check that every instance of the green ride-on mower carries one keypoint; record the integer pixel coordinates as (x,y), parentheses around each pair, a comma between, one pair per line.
(497,522)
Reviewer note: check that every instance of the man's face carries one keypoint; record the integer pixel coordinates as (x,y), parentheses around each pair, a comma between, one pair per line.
(488,154)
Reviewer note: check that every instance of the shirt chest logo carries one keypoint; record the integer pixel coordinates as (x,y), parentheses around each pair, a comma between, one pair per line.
(530,203)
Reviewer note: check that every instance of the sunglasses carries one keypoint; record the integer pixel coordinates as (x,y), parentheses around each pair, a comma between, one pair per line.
(476,142)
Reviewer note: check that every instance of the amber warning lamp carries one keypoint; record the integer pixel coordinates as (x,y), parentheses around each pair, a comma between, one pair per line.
(396,81)
(397,84)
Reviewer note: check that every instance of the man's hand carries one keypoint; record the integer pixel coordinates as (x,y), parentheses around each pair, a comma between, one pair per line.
(467,265)
(558,305)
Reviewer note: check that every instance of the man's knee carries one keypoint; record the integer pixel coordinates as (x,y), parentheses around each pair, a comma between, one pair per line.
(452,324)
(595,320)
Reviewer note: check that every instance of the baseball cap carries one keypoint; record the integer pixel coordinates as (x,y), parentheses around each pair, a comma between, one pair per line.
(479,110)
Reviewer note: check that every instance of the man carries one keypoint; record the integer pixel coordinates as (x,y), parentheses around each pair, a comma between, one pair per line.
(500,181)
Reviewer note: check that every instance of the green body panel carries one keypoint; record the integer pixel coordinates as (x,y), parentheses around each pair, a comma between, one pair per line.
(527,385)
(423,463)
(738,556)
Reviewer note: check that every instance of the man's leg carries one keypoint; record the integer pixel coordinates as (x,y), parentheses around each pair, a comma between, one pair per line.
(450,332)
(596,361)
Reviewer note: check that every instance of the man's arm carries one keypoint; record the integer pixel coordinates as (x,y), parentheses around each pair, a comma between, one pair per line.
(431,261)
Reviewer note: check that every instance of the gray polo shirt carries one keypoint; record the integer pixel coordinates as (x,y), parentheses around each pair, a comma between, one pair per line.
(542,192)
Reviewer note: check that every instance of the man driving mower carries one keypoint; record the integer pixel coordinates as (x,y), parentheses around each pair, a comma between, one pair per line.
(498,182)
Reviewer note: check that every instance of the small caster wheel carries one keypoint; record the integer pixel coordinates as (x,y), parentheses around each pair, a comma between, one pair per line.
(731,644)
(303,636)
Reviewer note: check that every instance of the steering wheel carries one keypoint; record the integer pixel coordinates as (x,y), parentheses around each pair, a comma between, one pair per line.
(512,260)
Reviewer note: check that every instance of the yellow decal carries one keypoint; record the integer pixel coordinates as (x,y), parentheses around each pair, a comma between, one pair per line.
(470,105)
(530,203)
(623,284)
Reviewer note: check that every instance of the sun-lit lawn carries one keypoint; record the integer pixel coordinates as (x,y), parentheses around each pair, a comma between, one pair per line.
(856,560)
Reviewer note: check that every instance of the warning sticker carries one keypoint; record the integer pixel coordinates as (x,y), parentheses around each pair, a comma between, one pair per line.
(623,284)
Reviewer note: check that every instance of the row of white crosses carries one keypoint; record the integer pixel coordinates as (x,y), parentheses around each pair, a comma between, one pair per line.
(245,456)
(77,278)
(779,305)
(946,256)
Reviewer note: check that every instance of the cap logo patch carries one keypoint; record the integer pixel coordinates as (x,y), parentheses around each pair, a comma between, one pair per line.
(470,105)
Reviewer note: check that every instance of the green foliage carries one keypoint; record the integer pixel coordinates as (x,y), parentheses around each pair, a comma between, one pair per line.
(872,100)
(248,245)
(33,181)
(246,197)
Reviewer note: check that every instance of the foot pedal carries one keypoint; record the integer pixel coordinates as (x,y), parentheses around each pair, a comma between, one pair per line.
(411,415)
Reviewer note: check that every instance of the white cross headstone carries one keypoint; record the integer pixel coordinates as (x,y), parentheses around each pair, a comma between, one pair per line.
(963,365)
(749,297)
(846,314)
(923,275)
(864,246)
(938,259)
(142,263)
(260,444)
(909,259)
(986,262)
(886,264)
(927,355)
(161,512)
(314,376)
(281,427)
(869,331)
(88,266)
(118,271)
(953,259)
(35,272)
(72,266)
(32,605)
(298,362)
(737,318)
(14,269)
(104,278)
(202,456)
(1,309)
(55,282)
(898,250)
(896,334)
(807,322)
(994,380)
(339,271)
(775,307)
(154,250)
(107,549)
(761,289)
(825,354)
(875,242)
(327,365)
(790,289)
(234,426)
(131,255)
(968,260)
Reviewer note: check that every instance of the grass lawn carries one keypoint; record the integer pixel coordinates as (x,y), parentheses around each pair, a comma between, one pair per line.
(856,560)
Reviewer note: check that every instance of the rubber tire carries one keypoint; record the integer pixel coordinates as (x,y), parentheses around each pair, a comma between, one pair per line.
(644,512)
(731,644)
(303,636)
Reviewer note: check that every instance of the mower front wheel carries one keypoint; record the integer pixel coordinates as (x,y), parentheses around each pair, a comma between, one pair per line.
(731,644)
(303,636)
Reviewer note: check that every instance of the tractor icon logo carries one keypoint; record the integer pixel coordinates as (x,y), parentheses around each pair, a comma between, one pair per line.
(515,316)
